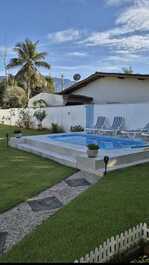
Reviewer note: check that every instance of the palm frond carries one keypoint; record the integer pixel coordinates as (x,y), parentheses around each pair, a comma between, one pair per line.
(14,62)
(40,56)
(43,64)
(21,54)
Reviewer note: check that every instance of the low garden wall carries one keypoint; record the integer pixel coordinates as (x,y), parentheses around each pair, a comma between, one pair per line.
(63,116)
(136,115)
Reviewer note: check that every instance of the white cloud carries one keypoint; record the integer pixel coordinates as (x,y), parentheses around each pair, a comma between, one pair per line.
(97,39)
(127,55)
(72,67)
(6,50)
(135,15)
(135,18)
(120,59)
(109,68)
(77,54)
(132,43)
(124,2)
(126,43)
(130,31)
(117,2)
(64,36)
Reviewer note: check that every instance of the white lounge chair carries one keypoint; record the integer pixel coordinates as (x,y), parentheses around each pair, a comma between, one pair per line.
(134,133)
(101,121)
(117,126)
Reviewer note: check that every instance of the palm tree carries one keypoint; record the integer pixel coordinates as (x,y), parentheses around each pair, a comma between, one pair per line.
(29,59)
(128,71)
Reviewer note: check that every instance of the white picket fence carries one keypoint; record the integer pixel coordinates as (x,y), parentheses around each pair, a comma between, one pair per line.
(117,245)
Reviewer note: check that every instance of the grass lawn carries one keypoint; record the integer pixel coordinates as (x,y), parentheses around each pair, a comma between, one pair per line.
(23,175)
(118,202)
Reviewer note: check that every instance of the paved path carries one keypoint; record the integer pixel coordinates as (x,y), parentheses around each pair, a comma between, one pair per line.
(16,223)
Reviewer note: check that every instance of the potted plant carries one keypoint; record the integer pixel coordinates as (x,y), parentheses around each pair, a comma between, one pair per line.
(18,134)
(77,128)
(92,150)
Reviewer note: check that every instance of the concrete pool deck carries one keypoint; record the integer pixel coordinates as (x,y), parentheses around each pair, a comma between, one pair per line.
(76,156)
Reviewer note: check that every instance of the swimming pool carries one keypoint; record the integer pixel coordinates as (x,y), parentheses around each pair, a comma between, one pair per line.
(104,142)
(69,149)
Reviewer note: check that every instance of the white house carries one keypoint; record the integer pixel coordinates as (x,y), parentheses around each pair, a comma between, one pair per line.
(110,88)
(101,94)
(51,100)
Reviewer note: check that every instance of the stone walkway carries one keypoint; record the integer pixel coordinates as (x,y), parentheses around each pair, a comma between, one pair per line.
(16,223)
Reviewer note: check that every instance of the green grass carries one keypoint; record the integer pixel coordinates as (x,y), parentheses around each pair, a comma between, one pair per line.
(23,175)
(118,202)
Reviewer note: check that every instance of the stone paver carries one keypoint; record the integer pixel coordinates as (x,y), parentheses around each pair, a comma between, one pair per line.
(18,222)
(49,203)
(3,237)
(77,182)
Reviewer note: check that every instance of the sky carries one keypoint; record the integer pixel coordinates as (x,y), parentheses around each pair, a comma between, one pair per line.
(80,36)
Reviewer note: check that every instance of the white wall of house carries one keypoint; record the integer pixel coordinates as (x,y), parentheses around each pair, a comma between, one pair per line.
(136,115)
(115,90)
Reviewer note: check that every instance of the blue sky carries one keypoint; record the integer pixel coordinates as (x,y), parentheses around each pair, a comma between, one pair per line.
(80,36)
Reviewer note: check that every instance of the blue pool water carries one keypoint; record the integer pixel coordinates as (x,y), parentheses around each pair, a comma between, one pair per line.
(105,142)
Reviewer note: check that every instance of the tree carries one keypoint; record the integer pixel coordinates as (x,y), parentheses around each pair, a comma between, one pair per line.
(2,90)
(29,59)
(50,84)
(13,95)
(128,71)
(4,81)
(42,85)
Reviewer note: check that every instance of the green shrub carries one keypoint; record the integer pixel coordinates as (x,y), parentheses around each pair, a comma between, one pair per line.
(17,131)
(25,119)
(55,128)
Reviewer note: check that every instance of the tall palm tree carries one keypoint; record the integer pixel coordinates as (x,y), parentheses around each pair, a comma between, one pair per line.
(29,59)
(128,71)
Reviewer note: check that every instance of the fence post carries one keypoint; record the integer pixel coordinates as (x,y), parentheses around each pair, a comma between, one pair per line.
(144,231)
(112,246)
(96,255)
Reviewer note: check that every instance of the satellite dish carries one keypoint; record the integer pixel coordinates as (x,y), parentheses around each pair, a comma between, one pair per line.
(77,77)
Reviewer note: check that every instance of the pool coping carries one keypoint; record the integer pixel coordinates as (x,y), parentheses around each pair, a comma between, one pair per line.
(45,138)
(74,156)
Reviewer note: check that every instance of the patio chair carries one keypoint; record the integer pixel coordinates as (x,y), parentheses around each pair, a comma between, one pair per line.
(101,120)
(138,132)
(117,126)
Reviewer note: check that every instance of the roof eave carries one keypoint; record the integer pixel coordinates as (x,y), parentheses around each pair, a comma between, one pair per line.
(99,75)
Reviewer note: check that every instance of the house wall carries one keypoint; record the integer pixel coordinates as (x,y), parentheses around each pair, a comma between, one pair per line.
(115,90)
(136,115)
